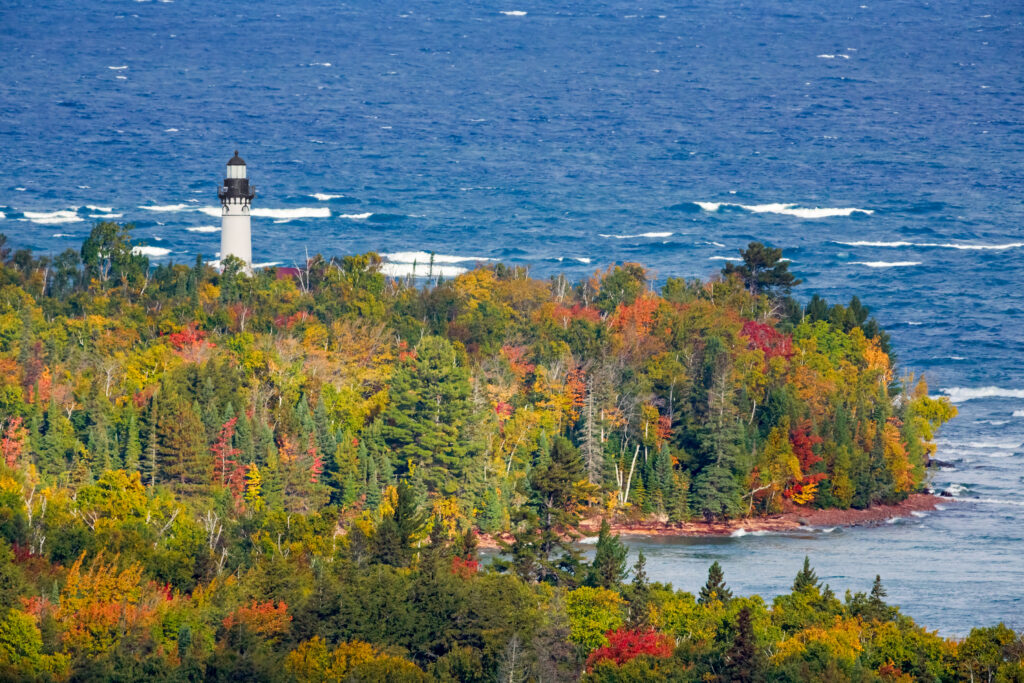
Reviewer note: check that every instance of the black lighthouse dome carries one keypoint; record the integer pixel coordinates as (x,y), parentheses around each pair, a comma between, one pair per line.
(236,189)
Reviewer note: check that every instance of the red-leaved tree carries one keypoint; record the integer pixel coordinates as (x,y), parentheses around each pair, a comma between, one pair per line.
(625,644)
(769,340)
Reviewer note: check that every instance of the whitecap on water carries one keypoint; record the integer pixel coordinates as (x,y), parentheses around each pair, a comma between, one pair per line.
(935,245)
(514,13)
(724,258)
(886,264)
(1017,413)
(919,513)
(788,209)
(324,197)
(355,216)
(961,394)
(53,217)
(419,270)
(204,228)
(150,251)
(170,208)
(642,234)
(423,257)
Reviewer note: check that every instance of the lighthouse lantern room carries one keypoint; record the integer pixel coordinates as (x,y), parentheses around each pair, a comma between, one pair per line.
(235,197)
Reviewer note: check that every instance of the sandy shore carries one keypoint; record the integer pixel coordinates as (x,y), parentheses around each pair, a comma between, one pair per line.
(788,521)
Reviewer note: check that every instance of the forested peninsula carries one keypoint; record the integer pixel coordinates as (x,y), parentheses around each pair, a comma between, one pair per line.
(283,475)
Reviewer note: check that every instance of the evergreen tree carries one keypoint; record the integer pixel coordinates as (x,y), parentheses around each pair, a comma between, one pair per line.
(744,662)
(763,270)
(150,465)
(716,488)
(806,579)
(430,404)
(59,447)
(182,455)
(542,549)
(98,446)
(132,444)
(639,596)
(393,543)
(491,518)
(609,566)
(715,588)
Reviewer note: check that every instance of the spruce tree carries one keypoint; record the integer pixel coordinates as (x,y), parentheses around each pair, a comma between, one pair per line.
(182,455)
(639,595)
(430,404)
(393,543)
(59,448)
(150,465)
(715,588)
(744,662)
(806,579)
(609,566)
(132,444)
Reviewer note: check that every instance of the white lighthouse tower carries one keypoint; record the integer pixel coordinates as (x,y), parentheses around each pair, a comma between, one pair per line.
(235,196)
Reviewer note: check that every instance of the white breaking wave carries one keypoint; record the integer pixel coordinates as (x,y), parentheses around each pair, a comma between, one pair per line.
(170,208)
(150,251)
(961,394)
(204,228)
(106,215)
(588,540)
(716,244)
(268,264)
(285,214)
(581,259)
(2,215)
(355,216)
(170,130)
(419,270)
(423,257)
(919,513)
(991,501)
(61,234)
(53,217)
(937,245)
(724,258)
(514,13)
(324,197)
(118,68)
(787,209)
(1018,413)
(886,264)
(320,64)
(310,212)
(826,56)
(643,234)
(101,209)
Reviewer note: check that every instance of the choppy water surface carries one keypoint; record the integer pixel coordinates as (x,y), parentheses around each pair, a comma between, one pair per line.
(880,145)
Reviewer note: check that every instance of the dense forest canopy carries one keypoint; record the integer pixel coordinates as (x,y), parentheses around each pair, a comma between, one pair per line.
(281,475)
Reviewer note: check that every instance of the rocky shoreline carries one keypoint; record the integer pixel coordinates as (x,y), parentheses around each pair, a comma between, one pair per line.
(787,521)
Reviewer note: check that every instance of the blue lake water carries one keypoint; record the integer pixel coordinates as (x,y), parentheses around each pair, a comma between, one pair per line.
(879,144)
